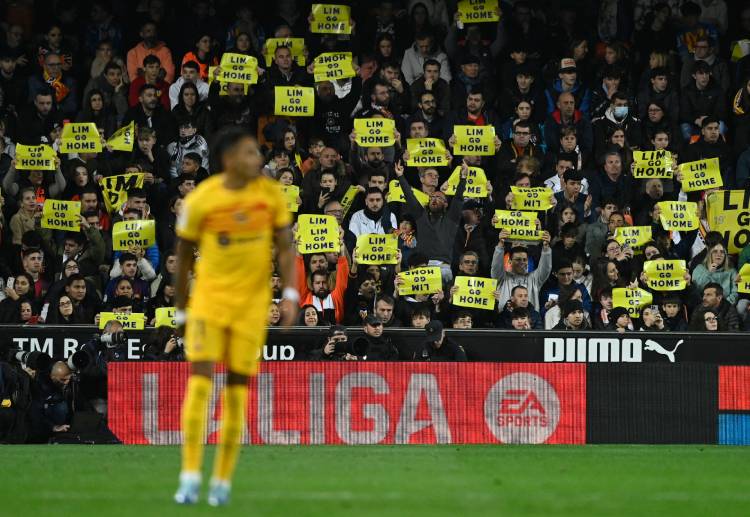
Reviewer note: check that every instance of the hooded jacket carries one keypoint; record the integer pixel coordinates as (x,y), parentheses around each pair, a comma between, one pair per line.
(581,94)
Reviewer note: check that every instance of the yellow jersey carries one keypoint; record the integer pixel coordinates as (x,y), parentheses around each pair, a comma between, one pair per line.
(234,231)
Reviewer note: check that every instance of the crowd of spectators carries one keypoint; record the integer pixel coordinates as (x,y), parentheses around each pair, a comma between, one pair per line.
(570,87)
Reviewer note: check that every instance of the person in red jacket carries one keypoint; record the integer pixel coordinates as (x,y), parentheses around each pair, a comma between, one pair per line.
(315,289)
(151,67)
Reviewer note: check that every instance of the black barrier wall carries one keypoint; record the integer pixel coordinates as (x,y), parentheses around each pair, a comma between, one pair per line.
(480,345)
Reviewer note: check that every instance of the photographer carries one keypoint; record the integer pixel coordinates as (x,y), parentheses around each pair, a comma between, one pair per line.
(374,346)
(164,346)
(336,346)
(102,349)
(439,347)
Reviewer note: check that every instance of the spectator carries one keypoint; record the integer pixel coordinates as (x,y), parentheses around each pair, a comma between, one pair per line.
(715,301)
(519,275)
(150,46)
(439,347)
(701,98)
(424,48)
(573,317)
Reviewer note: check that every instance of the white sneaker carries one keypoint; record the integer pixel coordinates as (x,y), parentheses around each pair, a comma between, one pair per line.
(218,494)
(189,489)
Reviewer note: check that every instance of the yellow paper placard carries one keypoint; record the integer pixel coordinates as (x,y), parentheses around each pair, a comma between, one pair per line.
(331,66)
(126,234)
(701,175)
(728,213)
(291,193)
(132,321)
(61,215)
(476,183)
(348,199)
(80,137)
(474,140)
(532,198)
(374,132)
(295,45)
(423,280)
(238,68)
(115,189)
(164,317)
(373,248)
(631,298)
(317,234)
(475,292)
(652,164)
(426,152)
(35,157)
(294,101)
(521,225)
(634,236)
(123,139)
(396,194)
(330,19)
(478,11)
(744,284)
(223,85)
(665,275)
(678,215)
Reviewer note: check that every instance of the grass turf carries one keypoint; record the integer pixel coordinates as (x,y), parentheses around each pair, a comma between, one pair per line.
(386,480)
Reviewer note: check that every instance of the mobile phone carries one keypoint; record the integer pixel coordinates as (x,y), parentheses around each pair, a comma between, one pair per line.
(553,297)
(325,191)
(11,282)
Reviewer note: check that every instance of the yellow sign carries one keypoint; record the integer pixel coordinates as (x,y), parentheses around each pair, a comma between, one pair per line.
(744,284)
(35,157)
(222,85)
(633,236)
(532,198)
(475,292)
(348,199)
(701,175)
(61,215)
(330,19)
(373,248)
(665,275)
(521,225)
(331,66)
(165,317)
(295,45)
(426,152)
(476,183)
(123,139)
(396,194)
(115,189)
(291,193)
(294,101)
(126,234)
(133,321)
(238,68)
(374,132)
(652,164)
(678,215)
(478,11)
(474,140)
(728,213)
(317,234)
(80,137)
(632,298)
(423,280)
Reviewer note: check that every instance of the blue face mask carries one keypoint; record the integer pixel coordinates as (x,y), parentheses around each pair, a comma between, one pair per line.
(621,111)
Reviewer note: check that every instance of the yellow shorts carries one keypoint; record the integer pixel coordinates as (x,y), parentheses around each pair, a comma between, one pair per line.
(238,346)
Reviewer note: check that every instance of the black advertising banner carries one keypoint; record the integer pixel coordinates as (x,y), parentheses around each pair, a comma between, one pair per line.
(480,345)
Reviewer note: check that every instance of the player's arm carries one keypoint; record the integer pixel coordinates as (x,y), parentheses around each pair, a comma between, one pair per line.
(290,296)
(185,261)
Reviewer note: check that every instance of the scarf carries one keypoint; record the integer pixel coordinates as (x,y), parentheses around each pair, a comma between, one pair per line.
(61,91)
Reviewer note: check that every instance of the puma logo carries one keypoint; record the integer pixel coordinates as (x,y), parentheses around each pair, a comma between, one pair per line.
(653,346)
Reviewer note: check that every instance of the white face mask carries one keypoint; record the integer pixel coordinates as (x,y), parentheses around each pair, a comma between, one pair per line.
(620,112)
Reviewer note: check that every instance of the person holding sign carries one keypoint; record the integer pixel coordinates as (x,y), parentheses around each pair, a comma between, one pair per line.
(229,298)
(437,223)
(519,274)
(41,184)
(375,217)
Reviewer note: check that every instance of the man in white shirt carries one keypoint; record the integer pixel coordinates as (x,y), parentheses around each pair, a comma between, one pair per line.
(375,217)
(190,74)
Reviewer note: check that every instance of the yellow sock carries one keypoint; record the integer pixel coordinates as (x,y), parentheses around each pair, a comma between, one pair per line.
(194,410)
(232,420)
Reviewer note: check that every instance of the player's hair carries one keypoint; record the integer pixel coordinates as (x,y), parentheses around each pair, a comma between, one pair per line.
(226,139)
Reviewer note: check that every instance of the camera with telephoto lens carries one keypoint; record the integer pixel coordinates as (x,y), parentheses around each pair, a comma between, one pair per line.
(113,340)
(79,360)
(32,360)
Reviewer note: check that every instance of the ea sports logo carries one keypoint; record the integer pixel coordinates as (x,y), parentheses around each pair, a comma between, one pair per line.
(522,408)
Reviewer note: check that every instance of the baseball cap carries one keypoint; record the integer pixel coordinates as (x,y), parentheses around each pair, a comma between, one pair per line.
(433,331)
(567,64)
(373,321)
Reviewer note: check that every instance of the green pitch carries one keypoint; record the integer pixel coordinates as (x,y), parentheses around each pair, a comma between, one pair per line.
(327,481)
